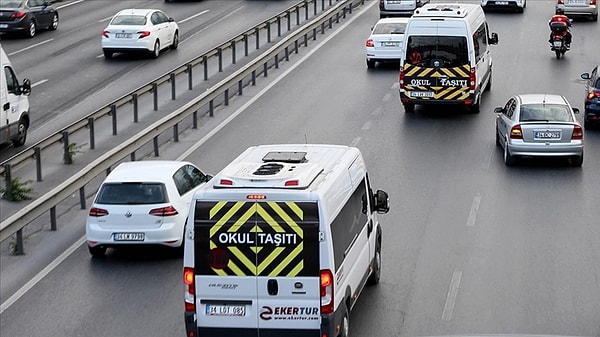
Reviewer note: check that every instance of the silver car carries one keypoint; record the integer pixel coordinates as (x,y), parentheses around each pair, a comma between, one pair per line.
(584,8)
(385,42)
(539,125)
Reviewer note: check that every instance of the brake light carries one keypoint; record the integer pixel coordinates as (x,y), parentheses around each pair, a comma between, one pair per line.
(326,291)
(190,289)
(18,15)
(164,211)
(105,33)
(560,2)
(472,79)
(293,182)
(593,94)
(577,133)
(381,5)
(593,2)
(516,132)
(401,78)
(143,34)
(370,43)
(97,212)
(226,182)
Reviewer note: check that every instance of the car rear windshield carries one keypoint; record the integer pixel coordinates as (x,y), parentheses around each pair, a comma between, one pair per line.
(129,20)
(545,112)
(389,28)
(132,194)
(438,51)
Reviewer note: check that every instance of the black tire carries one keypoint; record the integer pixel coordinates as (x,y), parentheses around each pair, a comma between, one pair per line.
(376,274)
(497,138)
(21,134)
(175,43)
(488,86)
(54,25)
(577,161)
(370,64)
(156,50)
(476,107)
(345,326)
(509,159)
(409,108)
(107,54)
(97,251)
(557,54)
(30,32)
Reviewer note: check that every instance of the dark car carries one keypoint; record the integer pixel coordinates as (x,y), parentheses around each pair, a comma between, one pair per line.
(591,116)
(26,17)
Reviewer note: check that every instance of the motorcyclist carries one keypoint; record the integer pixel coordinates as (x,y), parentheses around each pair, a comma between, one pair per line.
(560,16)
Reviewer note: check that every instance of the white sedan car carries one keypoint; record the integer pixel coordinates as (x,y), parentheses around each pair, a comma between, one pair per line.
(142,203)
(385,42)
(135,30)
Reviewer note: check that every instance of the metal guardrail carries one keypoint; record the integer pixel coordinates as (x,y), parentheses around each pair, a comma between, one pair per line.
(77,182)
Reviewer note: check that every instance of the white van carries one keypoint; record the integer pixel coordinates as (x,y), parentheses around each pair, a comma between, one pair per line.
(14,104)
(446,57)
(281,242)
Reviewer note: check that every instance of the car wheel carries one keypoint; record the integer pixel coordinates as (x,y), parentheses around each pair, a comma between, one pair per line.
(497,138)
(22,134)
(345,328)
(370,64)
(376,275)
(409,108)
(488,86)
(175,43)
(577,161)
(509,159)
(595,17)
(476,107)
(31,31)
(97,251)
(156,50)
(107,54)
(54,25)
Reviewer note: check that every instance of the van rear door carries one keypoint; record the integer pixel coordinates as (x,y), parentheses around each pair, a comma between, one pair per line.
(257,268)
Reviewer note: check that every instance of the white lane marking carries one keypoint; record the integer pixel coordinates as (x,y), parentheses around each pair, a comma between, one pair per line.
(270,85)
(377,111)
(70,4)
(25,288)
(474,210)
(367,125)
(355,142)
(39,83)
(194,16)
(32,46)
(451,297)
(387,97)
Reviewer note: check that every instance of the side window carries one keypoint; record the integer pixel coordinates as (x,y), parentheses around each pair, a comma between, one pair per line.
(509,109)
(12,84)
(348,224)
(162,17)
(480,42)
(187,178)
(154,19)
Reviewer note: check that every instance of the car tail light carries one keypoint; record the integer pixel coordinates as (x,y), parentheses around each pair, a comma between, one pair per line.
(401,78)
(381,5)
(326,291)
(190,289)
(143,34)
(593,2)
(18,15)
(593,94)
(516,132)
(472,79)
(577,133)
(370,43)
(164,211)
(560,2)
(97,212)
(105,33)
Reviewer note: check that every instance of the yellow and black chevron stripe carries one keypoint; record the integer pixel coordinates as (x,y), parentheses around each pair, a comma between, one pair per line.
(259,238)
(430,79)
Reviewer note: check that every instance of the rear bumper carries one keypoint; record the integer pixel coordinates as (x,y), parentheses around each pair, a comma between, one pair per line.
(518,148)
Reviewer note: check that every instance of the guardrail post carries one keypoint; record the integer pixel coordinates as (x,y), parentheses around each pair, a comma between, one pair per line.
(268,32)
(226,97)
(297,19)
(38,162)
(233,52)
(53,218)
(287,54)
(92,133)
(173,89)
(190,79)
(205,64)
(8,180)
(155,94)
(67,159)
(195,119)
(132,156)
(322,5)
(245,44)
(305,12)
(296,46)
(253,77)
(155,144)
(279,25)
(315,7)
(256,33)
(113,114)
(176,133)
(211,111)
(220,56)
(134,101)
(82,197)
(265,68)
(19,244)
(240,87)
(276,61)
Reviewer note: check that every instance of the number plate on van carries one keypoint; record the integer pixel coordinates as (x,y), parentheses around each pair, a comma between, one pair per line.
(225,310)
(420,93)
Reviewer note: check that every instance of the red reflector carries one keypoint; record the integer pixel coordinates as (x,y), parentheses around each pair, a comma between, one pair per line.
(164,211)
(292,182)
(97,212)
(256,196)
(225,182)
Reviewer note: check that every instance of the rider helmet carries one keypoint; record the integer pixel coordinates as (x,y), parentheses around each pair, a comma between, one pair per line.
(560,11)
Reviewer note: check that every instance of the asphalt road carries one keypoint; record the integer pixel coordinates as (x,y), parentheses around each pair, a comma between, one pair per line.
(470,246)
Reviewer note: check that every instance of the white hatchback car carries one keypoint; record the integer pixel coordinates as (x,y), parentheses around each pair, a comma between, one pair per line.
(142,203)
(385,42)
(135,30)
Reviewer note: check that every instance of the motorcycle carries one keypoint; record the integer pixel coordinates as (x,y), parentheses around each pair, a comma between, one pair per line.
(559,44)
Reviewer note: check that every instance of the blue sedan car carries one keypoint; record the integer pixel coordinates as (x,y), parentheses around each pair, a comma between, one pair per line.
(591,116)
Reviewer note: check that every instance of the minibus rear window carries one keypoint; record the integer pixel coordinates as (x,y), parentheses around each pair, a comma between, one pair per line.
(437,51)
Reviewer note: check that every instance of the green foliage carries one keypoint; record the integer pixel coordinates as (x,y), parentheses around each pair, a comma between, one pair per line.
(72,150)
(20,191)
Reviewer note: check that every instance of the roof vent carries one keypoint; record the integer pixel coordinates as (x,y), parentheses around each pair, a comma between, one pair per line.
(268,169)
(285,157)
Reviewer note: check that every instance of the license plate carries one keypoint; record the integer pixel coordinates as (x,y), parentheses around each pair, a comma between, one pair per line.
(123,35)
(502,3)
(547,134)
(420,93)
(128,236)
(3,25)
(225,310)
(390,44)
(557,44)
